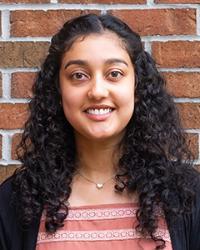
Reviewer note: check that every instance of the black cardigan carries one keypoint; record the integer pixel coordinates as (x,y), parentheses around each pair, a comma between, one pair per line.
(185,232)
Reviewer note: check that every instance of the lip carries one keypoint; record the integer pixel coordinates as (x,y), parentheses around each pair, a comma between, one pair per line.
(99,117)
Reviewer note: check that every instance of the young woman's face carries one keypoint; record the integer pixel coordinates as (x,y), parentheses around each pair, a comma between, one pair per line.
(97,86)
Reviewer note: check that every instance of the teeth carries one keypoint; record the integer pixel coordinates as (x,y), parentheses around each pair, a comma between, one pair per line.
(99,111)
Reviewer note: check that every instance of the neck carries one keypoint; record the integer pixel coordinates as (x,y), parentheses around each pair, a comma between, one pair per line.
(97,160)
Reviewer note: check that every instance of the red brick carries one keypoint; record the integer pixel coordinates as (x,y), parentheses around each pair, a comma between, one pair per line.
(190,115)
(177,53)
(148,22)
(103,1)
(21,84)
(40,23)
(183,84)
(0,23)
(193,144)
(0,85)
(24,1)
(6,171)
(0,146)
(177,1)
(12,116)
(22,54)
(15,142)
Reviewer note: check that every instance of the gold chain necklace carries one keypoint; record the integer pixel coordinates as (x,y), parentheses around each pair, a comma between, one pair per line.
(98,185)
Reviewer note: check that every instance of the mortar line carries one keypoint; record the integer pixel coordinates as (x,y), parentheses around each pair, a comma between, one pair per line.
(6,86)
(6,147)
(10,132)
(5,25)
(36,69)
(184,70)
(186,100)
(15,100)
(150,2)
(9,162)
(13,70)
(147,47)
(192,131)
(198,20)
(153,38)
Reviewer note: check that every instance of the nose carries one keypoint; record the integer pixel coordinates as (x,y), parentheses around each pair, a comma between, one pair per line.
(98,89)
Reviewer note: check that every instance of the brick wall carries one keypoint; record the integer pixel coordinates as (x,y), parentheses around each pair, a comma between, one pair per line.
(170,30)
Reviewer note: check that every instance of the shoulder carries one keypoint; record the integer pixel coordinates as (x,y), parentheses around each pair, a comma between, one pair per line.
(6,193)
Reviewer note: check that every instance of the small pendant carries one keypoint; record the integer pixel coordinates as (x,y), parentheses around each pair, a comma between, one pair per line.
(99,185)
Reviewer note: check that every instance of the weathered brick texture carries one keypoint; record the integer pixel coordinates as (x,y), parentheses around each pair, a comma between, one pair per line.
(6,171)
(1,85)
(190,114)
(177,1)
(183,84)
(40,23)
(175,54)
(15,142)
(103,1)
(193,144)
(0,23)
(24,1)
(22,54)
(21,84)
(159,22)
(12,116)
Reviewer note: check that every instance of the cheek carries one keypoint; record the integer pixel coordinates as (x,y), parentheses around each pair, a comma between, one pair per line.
(127,96)
(69,103)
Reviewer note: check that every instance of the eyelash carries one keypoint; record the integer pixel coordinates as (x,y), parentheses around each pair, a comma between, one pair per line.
(119,73)
(77,73)
(74,75)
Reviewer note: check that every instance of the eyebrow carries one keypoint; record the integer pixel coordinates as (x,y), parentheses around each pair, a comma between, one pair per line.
(85,63)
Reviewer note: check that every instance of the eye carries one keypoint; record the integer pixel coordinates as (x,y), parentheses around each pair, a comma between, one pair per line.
(79,76)
(115,75)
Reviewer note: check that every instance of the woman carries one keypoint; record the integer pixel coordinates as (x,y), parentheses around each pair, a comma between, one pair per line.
(103,153)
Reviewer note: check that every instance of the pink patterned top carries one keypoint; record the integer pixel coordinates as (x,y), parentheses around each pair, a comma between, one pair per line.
(100,227)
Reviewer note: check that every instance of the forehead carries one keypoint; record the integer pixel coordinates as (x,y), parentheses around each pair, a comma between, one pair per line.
(97,45)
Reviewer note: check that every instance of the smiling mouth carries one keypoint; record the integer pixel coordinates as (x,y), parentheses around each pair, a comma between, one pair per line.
(101,111)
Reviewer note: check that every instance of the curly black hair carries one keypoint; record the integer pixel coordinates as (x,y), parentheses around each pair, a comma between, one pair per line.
(155,158)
